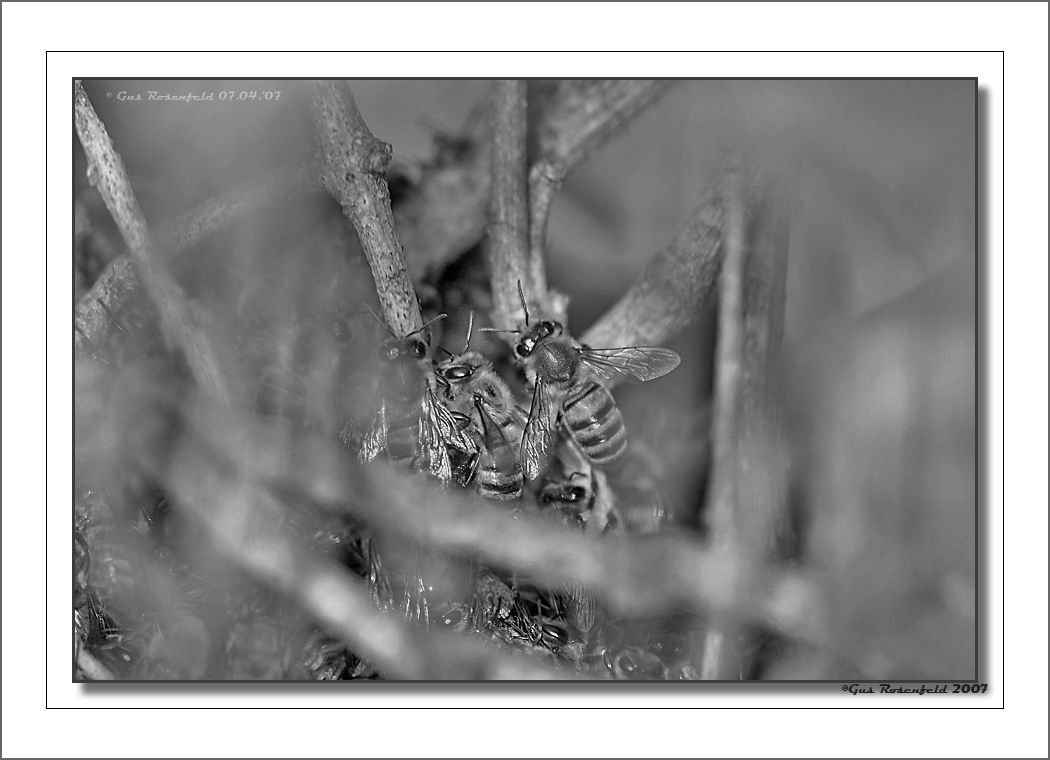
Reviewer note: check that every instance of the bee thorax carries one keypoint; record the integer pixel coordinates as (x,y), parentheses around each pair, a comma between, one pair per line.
(556,361)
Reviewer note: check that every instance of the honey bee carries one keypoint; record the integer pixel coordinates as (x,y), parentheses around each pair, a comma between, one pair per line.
(565,376)
(410,423)
(570,501)
(484,406)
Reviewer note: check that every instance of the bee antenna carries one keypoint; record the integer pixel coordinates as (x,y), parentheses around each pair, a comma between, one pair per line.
(493,329)
(470,329)
(430,126)
(438,318)
(442,348)
(521,295)
(380,321)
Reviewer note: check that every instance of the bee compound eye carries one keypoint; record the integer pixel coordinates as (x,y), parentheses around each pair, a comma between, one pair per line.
(555,632)
(577,493)
(419,349)
(452,618)
(458,372)
(523,349)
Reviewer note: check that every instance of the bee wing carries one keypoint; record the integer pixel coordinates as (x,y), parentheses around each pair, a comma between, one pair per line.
(432,451)
(581,605)
(375,441)
(437,430)
(538,439)
(633,364)
(496,442)
(448,429)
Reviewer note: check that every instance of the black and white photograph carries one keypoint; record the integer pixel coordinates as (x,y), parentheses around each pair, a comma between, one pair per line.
(526,379)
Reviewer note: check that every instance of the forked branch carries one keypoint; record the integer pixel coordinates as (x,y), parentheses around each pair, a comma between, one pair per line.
(580,118)
(118,283)
(354,172)
(107,173)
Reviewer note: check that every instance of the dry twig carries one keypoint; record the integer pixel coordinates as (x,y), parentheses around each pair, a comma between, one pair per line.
(676,282)
(745,498)
(354,172)
(106,172)
(581,117)
(508,240)
(118,284)
(729,363)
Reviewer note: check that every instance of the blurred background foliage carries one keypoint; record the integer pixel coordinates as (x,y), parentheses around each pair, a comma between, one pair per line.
(879,348)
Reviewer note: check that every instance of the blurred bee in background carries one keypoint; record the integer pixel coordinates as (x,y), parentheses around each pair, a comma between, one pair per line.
(565,378)
(411,424)
(633,664)
(570,501)
(484,408)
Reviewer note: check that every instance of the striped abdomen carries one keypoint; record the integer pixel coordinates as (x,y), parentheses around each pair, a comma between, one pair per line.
(493,483)
(498,476)
(402,437)
(595,423)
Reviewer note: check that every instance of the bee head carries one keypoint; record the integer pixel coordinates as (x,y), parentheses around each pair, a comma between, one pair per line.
(535,337)
(460,368)
(393,349)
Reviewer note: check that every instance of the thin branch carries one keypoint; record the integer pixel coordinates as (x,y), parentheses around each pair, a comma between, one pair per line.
(118,284)
(582,116)
(508,240)
(745,500)
(761,457)
(676,282)
(197,224)
(354,172)
(729,367)
(720,661)
(107,173)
